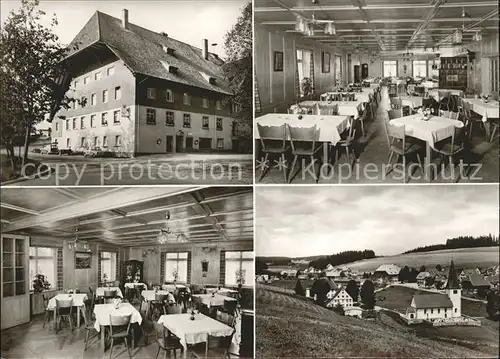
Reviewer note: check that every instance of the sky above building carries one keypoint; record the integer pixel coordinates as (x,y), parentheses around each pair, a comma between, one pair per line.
(316,220)
(184,20)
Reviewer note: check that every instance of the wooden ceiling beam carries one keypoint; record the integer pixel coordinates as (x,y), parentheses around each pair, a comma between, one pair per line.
(19,209)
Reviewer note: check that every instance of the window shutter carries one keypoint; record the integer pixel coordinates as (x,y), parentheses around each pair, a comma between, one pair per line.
(117,266)
(60,271)
(222,276)
(162,266)
(189,267)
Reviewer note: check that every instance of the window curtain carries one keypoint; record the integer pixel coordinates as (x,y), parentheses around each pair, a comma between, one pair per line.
(222,274)
(297,79)
(312,73)
(258,107)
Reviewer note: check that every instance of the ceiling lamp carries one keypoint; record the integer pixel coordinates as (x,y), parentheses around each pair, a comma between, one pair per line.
(76,245)
(330,28)
(478,36)
(169,236)
(300,24)
(457,36)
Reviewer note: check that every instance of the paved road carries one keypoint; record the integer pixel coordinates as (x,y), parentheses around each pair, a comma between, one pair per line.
(143,170)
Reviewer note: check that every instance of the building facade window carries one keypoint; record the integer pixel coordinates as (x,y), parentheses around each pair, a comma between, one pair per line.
(67,125)
(97,75)
(390,68)
(204,122)
(96,141)
(151,93)
(218,124)
(68,143)
(118,140)
(169,120)
(74,123)
(82,122)
(93,99)
(118,93)
(420,68)
(57,126)
(169,95)
(116,117)
(110,71)
(105,96)
(218,105)
(186,99)
(204,102)
(220,143)
(104,141)
(86,80)
(43,261)
(186,120)
(76,83)
(82,144)
(176,267)
(92,120)
(108,266)
(151,116)
(104,119)
(239,268)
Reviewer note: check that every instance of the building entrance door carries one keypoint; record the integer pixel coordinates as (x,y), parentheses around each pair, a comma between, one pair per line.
(179,139)
(170,143)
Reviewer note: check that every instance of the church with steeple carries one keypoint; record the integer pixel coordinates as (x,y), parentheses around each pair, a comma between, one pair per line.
(432,306)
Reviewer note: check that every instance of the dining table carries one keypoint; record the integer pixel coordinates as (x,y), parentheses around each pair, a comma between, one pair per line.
(435,92)
(78,302)
(213,300)
(172,288)
(99,292)
(362,96)
(486,109)
(150,295)
(191,332)
(329,128)
(431,131)
(344,108)
(102,313)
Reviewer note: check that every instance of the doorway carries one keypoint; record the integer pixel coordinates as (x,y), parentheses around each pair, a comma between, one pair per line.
(189,143)
(364,71)
(170,144)
(179,139)
(205,143)
(357,74)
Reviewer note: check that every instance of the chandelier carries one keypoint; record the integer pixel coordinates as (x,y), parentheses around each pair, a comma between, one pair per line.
(169,236)
(78,245)
(478,36)
(407,56)
(305,26)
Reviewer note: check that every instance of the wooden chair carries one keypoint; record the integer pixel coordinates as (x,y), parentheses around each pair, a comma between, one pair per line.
(444,98)
(174,309)
(90,303)
(451,115)
(346,142)
(89,327)
(109,295)
(273,140)
(303,142)
(158,306)
(226,318)
(48,312)
(64,310)
(396,103)
(119,328)
(166,341)
(393,114)
(471,118)
(396,139)
(220,350)
(453,146)
(494,123)
(371,104)
(363,116)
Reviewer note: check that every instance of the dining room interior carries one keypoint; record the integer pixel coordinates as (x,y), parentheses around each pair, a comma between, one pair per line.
(127,272)
(379,91)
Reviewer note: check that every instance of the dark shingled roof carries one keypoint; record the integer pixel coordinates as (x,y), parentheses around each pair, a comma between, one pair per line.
(452,278)
(477,280)
(424,301)
(143,52)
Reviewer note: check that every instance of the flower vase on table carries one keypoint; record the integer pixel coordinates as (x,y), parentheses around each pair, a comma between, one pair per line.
(192,314)
(485,97)
(425,113)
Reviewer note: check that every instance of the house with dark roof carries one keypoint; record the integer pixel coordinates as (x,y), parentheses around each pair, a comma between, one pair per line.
(339,297)
(139,91)
(432,306)
(475,282)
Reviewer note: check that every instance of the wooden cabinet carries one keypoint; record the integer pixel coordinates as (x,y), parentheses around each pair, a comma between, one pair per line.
(133,271)
(453,73)
(14,289)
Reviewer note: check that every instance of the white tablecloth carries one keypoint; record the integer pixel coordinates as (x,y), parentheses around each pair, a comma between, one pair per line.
(412,101)
(363,96)
(194,331)
(434,93)
(100,291)
(102,312)
(210,300)
(486,109)
(344,108)
(151,295)
(432,131)
(133,285)
(78,300)
(329,127)
(172,287)
(429,84)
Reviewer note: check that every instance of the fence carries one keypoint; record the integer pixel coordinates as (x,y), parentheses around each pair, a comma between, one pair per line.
(460,321)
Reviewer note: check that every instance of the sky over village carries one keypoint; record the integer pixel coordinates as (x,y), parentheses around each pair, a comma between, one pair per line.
(184,20)
(306,221)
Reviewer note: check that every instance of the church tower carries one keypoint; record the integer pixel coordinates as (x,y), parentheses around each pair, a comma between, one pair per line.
(454,292)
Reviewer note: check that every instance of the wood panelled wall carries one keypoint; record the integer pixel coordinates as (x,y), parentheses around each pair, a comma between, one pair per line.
(152,261)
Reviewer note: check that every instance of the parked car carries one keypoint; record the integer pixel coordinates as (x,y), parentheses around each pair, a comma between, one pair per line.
(50,149)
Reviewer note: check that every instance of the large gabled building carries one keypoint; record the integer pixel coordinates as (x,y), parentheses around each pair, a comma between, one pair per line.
(139,91)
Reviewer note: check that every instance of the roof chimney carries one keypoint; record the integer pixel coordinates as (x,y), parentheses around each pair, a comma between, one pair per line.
(204,49)
(125,18)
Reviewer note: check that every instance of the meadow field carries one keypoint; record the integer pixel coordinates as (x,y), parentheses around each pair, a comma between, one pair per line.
(481,257)
(289,326)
